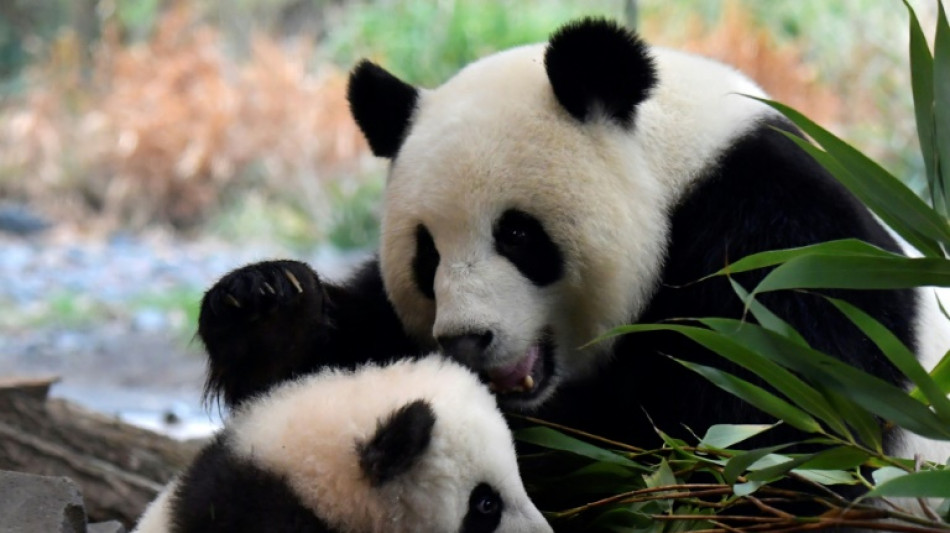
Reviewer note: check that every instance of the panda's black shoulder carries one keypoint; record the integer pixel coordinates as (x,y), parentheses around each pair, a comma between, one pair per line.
(223,492)
(766,193)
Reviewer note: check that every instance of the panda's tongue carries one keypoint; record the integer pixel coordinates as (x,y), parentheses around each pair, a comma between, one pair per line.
(513,376)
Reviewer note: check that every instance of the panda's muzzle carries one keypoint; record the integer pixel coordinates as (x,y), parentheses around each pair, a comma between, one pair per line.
(523,378)
(468,349)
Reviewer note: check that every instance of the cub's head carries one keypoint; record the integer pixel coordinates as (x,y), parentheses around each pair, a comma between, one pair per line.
(507,234)
(418,445)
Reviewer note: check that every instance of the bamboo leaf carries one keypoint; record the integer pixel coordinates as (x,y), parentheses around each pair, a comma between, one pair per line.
(765,317)
(789,385)
(740,463)
(839,458)
(922,85)
(722,436)
(899,354)
(869,392)
(941,102)
(866,426)
(549,438)
(926,484)
(828,477)
(774,472)
(856,272)
(912,231)
(884,474)
(757,396)
(941,374)
(849,247)
(900,208)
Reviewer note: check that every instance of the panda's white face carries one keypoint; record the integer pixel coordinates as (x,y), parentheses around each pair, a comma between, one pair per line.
(516,233)
(519,225)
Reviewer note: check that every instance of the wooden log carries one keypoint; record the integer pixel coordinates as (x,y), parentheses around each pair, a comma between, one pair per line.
(119,467)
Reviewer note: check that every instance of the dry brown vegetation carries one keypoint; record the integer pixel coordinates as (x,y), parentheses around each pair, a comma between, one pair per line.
(162,130)
(165,126)
(738,40)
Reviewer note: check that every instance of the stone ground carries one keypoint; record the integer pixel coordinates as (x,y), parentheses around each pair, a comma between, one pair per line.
(114,317)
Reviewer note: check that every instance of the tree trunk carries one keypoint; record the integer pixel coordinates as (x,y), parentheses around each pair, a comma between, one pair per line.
(119,467)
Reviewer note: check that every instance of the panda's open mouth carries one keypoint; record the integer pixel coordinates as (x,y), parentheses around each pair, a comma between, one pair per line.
(528,376)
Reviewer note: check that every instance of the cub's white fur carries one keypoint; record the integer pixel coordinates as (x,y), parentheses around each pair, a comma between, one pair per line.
(307,431)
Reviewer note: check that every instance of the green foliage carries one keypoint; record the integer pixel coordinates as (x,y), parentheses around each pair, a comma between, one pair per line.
(711,484)
(356,214)
(433,40)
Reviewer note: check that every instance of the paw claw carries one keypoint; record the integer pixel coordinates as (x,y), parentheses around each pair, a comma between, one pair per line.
(293,279)
(233,301)
(270,288)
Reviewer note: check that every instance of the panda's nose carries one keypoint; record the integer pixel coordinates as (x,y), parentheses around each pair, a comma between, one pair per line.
(467,348)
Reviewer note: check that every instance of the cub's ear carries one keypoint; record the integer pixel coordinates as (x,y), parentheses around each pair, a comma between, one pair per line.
(400,439)
(382,105)
(596,67)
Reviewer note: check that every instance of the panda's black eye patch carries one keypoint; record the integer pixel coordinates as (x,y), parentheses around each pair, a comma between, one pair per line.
(425,262)
(520,238)
(484,510)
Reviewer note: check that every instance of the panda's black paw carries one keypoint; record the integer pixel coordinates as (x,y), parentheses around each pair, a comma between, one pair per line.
(261,324)
(256,292)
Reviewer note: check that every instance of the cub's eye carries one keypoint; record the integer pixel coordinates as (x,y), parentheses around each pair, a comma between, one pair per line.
(484,510)
(488,504)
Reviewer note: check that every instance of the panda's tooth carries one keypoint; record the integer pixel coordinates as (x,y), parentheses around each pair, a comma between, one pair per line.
(528,382)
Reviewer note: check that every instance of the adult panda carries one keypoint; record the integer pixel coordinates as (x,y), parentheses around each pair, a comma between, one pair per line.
(415,446)
(546,194)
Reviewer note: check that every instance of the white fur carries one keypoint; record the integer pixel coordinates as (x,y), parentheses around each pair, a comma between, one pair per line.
(932,332)
(157,516)
(307,432)
(493,138)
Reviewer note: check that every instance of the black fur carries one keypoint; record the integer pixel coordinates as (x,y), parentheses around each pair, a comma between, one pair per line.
(485,507)
(399,441)
(521,239)
(765,194)
(595,65)
(425,262)
(382,105)
(223,493)
(269,337)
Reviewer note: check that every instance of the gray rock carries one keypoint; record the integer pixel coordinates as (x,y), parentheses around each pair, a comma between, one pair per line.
(32,504)
(112,526)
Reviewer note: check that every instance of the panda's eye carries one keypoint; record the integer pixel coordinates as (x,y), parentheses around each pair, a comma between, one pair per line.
(520,238)
(484,510)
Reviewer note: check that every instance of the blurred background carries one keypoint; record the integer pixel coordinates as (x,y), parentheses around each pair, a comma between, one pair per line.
(148,147)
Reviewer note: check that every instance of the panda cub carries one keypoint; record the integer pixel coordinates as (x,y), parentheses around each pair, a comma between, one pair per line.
(415,446)
(547,194)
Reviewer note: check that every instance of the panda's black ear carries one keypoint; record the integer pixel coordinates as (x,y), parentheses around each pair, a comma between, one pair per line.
(400,439)
(598,67)
(382,105)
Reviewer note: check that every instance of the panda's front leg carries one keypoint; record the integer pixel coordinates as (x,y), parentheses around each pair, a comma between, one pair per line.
(268,322)
(261,324)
